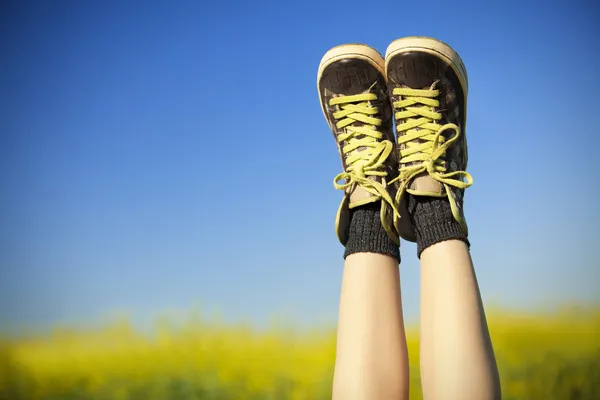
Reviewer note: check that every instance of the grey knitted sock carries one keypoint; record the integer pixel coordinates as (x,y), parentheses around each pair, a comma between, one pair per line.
(367,234)
(433,221)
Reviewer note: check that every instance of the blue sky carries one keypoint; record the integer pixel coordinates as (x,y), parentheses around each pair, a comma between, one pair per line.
(160,156)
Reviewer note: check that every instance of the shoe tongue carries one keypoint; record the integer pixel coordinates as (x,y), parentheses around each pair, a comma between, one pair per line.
(423,182)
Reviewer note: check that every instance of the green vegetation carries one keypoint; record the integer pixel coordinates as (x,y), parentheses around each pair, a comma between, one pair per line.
(542,357)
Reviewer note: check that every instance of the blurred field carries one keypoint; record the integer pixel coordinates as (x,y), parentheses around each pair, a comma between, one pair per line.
(541,356)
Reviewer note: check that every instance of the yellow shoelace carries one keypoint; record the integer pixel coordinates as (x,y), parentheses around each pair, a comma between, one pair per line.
(425,146)
(366,155)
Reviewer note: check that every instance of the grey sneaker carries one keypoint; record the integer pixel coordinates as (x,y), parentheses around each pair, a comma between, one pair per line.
(427,85)
(353,94)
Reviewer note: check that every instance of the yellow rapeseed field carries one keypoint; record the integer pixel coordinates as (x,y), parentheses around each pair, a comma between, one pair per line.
(541,356)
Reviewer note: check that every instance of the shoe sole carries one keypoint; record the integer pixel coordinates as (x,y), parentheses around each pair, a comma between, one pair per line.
(357,50)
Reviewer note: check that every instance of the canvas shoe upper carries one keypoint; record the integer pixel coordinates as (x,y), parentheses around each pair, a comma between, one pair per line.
(353,93)
(427,85)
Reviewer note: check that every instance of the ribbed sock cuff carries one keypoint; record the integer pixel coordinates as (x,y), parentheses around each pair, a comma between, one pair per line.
(433,222)
(367,234)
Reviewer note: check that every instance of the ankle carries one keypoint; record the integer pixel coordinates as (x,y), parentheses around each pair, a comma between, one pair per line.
(434,222)
(367,234)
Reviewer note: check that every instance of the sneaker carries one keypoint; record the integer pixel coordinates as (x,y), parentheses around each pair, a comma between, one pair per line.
(427,85)
(353,93)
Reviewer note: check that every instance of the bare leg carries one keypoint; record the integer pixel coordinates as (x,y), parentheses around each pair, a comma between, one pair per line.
(372,358)
(430,99)
(457,359)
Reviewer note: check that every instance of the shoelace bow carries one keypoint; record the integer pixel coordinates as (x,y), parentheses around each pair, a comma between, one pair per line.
(373,153)
(416,110)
